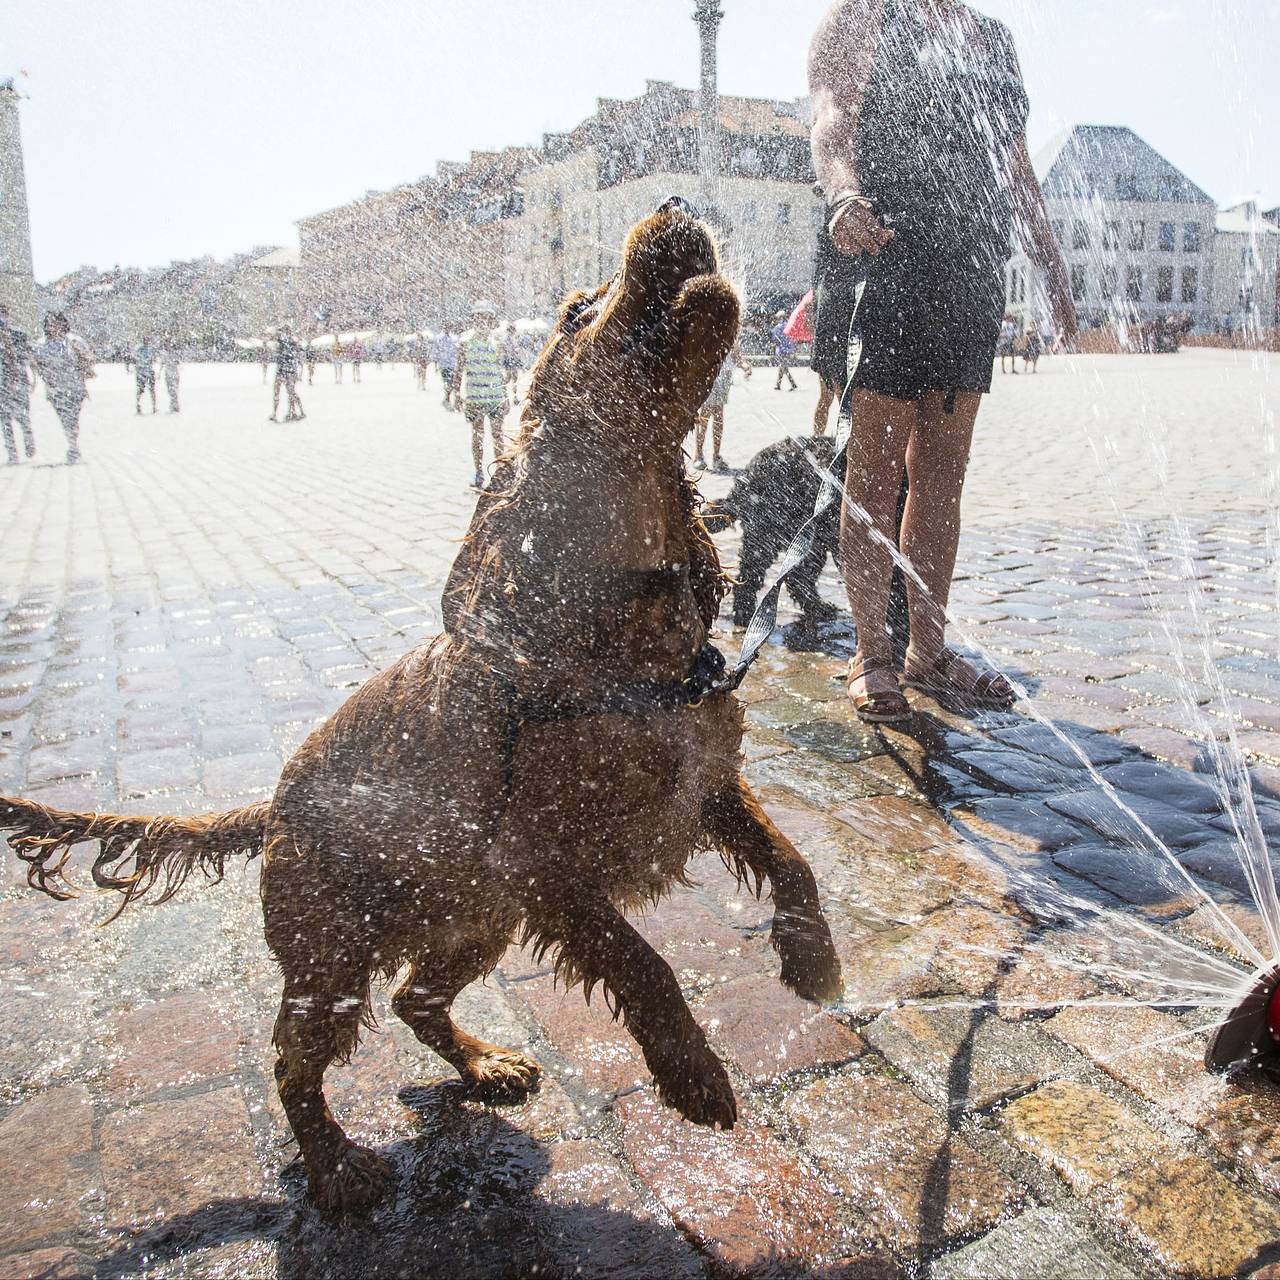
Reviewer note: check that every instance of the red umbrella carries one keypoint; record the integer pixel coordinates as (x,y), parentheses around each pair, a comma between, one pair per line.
(797,327)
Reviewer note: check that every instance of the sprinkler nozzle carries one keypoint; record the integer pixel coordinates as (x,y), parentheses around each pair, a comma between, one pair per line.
(1250,1029)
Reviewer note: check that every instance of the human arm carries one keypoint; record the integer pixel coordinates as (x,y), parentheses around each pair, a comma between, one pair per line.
(1038,240)
(841,57)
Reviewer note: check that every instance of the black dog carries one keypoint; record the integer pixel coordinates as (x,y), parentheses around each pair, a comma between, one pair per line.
(772,498)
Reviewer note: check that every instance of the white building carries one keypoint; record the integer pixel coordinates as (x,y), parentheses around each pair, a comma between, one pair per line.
(616,167)
(1246,286)
(1136,234)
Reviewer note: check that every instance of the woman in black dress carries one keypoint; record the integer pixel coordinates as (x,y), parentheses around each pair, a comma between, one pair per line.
(919,141)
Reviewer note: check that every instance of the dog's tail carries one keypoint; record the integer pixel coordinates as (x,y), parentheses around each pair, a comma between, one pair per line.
(136,854)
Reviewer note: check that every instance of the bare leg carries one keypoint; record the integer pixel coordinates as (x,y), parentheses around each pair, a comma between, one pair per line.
(423,1004)
(881,429)
(477,441)
(717,433)
(739,826)
(275,396)
(495,434)
(826,395)
(699,435)
(936,463)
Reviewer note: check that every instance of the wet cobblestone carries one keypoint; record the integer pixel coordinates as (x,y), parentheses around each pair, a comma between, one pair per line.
(182,609)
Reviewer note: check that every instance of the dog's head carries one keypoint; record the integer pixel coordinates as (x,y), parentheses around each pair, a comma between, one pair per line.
(644,348)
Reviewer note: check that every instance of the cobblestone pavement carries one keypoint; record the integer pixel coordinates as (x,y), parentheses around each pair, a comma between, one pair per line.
(182,608)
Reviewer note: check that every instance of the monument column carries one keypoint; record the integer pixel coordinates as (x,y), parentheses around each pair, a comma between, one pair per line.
(708,16)
(17,283)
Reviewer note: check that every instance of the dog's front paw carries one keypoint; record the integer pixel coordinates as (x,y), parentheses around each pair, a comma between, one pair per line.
(356,1179)
(810,965)
(696,1084)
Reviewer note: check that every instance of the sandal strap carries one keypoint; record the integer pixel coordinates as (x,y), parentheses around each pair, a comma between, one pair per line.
(859,667)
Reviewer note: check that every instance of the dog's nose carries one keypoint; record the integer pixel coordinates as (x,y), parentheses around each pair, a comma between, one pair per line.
(673,204)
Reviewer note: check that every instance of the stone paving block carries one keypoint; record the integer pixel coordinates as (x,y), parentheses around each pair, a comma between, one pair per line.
(768,1032)
(701,950)
(1191,1218)
(1016,771)
(253,771)
(882,967)
(1041,1244)
(1192,793)
(971,946)
(894,823)
(1041,741)
(1024,823)
(143,772)
(1135,876)
(181,1040)
(964,1058)
(47,1167)
(47,1264)
(152,1167)
(599,1049)
(1205,925)
(894,1157)
(1096,809)
(1187,752)
(740,1196)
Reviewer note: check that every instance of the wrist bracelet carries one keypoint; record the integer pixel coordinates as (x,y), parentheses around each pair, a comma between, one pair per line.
(839,205)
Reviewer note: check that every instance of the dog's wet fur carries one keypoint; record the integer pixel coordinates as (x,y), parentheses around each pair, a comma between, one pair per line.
(433,821)
(771,500)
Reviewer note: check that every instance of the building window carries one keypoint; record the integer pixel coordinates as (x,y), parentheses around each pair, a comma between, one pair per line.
(1137,234)
(749,211)
(1168,237)
(1168,186)
(1190,283)
(1164,284)
(1133,285)
(1191,237)
(1126,186)
(1111,235)
(1079,233)
(784,214)
(1077,284)
(1058,227)
(1110,283)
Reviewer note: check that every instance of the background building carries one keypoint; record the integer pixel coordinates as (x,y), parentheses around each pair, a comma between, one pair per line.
(1136,234)
(1246,284)
(17,284)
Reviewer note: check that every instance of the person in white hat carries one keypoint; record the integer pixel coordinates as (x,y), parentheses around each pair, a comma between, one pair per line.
(479,378)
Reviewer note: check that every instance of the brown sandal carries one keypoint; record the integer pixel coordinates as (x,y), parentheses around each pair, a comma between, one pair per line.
(887,706)
(989,692)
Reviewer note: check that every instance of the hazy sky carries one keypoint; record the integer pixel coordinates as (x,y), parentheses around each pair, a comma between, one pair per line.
(156,131)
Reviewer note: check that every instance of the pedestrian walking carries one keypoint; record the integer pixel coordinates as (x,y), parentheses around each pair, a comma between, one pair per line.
(783,350)
(478,376)
(1005,345)
(64,364)
(336,355)
(444,351)
(509,358)
(1032,349)
(420,354)
(144,373)
(264,358)
(712,413)
(919,139)
(171,367)
(356,354)
(15,387)
(288,367)
(311,362)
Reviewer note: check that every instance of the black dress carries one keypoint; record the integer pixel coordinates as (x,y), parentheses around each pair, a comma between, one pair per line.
(940,116)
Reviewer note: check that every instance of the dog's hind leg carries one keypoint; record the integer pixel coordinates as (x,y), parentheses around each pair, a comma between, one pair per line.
(318,1023)
(760,547)
(423,1003)
(598,947)
(737,824)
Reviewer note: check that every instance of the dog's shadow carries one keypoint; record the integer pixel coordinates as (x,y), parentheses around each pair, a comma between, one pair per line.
(475,1197)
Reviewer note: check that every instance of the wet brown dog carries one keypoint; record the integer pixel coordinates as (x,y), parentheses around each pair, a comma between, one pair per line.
(534,771)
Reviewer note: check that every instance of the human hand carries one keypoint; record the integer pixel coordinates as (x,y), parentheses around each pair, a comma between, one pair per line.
(858,230)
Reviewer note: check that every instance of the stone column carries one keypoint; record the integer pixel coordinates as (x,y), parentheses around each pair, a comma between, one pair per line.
(708,17)
(17,284)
